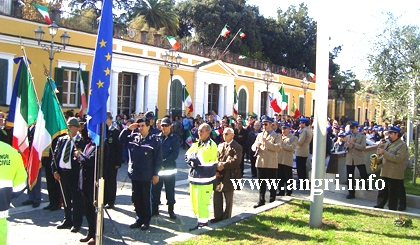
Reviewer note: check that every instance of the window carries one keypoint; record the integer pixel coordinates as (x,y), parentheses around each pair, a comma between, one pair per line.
(67,81)
(176,93)
(264,100)
(127,86)
(302,105)
(4,67)
(242,99)
(213,103)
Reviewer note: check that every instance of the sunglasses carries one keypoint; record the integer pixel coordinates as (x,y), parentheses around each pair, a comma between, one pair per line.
(226,133)
(165,125)
(265,124)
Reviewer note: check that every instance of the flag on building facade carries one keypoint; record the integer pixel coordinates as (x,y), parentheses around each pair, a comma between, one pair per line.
(49,111)
(295,110)
(241,57)
(43,10)
(83,102)
(242,35)
(174,43)
(225,31)
(101,73)
(235,102)
(187,100)
(23,108)
(313,76)
(283,97)
(274,105)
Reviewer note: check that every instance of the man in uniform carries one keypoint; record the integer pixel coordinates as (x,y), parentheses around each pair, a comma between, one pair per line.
(151,116)
(285,155)
(12,183)
(228,162)
(394,162)
(355,157)
(170,151)
(202,159)
(146,162)
(302,148)
(113,159)
(266,145)
(67,172)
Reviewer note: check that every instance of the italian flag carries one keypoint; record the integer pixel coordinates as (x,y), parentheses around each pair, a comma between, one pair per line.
(187,100)
(283,103)
(241,57)
(44,12)
(23,108)
(83,102)
(49,111)
(189,139)
(313,76)
(242,35)
(295,109)
(174,43)
(225,31)
(235,102)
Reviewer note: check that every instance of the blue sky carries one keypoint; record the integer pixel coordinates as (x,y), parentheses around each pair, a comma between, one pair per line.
(354,24)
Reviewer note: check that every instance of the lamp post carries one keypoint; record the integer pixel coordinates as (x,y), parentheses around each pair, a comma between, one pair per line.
(268,78)
(51,48)
(172,62)
(305,85)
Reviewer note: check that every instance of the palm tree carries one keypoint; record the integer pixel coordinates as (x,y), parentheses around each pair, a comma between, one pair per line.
(157,14)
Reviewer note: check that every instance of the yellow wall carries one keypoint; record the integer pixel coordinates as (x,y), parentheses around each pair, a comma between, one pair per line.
(250,88)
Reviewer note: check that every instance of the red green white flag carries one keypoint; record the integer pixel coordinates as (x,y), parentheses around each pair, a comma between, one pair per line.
(44,12)
(189,139)
(283,103)
(313,76)
(174,43)
(225,31)
(242,34)
(187,100)
(295,110)
(49,111)
(241,57)
(235,102)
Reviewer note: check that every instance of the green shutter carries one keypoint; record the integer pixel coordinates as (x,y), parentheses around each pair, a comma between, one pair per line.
(4,68)
(59,76)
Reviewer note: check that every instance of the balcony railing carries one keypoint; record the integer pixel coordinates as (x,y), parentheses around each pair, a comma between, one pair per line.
(90,25)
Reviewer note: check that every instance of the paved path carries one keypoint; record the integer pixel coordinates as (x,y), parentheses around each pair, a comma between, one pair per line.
(35,225)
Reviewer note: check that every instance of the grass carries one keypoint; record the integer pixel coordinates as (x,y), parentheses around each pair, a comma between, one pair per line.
(410,188)
(289,224)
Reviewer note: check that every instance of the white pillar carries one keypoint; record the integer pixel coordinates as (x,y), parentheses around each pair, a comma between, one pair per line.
(151,93)
(221,109)
(140,94)
(113,94)
(206,98)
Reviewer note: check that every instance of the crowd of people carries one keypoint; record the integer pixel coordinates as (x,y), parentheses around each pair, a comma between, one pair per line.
(217,149)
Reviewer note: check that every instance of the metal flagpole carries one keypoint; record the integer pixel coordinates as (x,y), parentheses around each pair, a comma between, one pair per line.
(101,188)
(224,51)
(217,39)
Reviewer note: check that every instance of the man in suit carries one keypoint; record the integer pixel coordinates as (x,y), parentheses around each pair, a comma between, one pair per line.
(394,162)
(229,156)
(113,159)
(267,144)
(241,136)
(252,135)
(355,157)
(67,171)
(302,148)
(287,147)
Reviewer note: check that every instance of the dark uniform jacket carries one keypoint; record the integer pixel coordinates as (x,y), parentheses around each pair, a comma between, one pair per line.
(230,155)
(145,155)
(241,137)
(59,149)
(87,167)
(113,148)
(170,151)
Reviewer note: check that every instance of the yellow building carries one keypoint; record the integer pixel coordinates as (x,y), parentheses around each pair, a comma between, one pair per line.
(140,81)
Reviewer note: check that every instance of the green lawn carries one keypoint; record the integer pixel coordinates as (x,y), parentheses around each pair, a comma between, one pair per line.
(408,183)
(289,224)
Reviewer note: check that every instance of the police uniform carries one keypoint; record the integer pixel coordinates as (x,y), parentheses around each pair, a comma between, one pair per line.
(151,115)
(113,159)
(170,151)
(145,162)
(12,183)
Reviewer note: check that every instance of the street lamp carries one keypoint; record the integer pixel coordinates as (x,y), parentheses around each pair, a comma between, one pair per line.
(172,62)
(51,48)
(305,85)
(268,78)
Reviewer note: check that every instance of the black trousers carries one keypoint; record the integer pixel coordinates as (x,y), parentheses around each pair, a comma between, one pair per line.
(169,181)
(53,188)
(402,197)
(110,176)
(253,161)
(219,213)
(284,173)
(266,173)
(350,170)
(389,193)
(89,212)
(301,167)
(142,200)
(73,195)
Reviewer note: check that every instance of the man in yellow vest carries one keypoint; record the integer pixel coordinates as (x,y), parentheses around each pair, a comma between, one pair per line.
(12,183)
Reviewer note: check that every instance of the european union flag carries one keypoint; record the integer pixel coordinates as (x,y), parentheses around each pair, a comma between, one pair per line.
(101,74)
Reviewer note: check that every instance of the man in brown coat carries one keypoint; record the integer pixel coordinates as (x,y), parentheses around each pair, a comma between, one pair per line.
(266,146)
(392,173)
(229,156)
(355,156)
(284,172)
(302,148)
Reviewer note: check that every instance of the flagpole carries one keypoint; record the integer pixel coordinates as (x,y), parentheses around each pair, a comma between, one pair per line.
(25,59)
(224,51)
(100,202)
(217,39)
